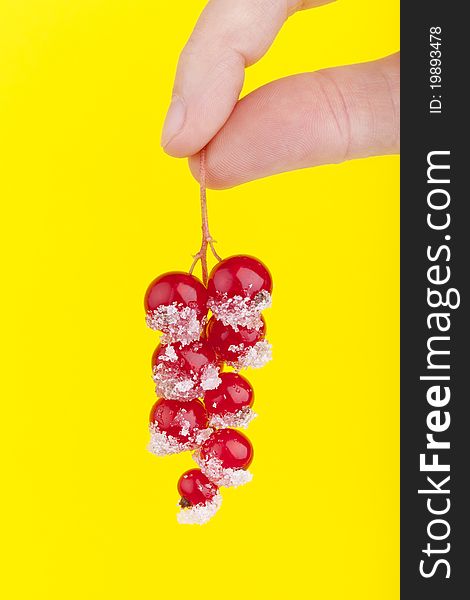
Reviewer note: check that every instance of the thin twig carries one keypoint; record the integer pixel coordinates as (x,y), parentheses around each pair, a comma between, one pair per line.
(206,236)
(214,252)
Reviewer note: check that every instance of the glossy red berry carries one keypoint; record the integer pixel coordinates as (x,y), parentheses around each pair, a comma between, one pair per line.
(190,359)
(229,404)
(185,372)
(181,288)
(229,447)
(239,289)
(178,423)
(239,275)
(176,304)
(195,488)
(229,344)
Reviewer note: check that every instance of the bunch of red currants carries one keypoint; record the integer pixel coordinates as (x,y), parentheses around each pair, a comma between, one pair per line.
(201,403)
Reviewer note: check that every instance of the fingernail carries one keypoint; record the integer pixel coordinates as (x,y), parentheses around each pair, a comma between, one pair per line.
(174,120)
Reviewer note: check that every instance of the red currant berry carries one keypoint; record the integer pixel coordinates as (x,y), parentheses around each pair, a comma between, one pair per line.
(176,305)
(242,348)
(228,343)
(195,488)
(239,276)
(176,426)
(230,447)
(191,359)
(225,456)
(181,288)
(239,288)
(185,372)
(200,497)
(229,404)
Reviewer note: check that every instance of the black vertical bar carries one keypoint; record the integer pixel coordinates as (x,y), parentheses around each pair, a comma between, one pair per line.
(423,132)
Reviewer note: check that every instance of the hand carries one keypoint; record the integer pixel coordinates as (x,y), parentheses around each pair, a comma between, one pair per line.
(309,119)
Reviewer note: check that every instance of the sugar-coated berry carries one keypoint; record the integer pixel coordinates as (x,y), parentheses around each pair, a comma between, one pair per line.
(195,488)
(185,372)
(239,275)
(175,287)
(182,420)
(229,344)
(229,447)
(176,305)
(190,359)
(233,394)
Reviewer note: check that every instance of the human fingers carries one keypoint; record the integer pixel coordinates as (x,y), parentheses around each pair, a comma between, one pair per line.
(229,36)
(328,116)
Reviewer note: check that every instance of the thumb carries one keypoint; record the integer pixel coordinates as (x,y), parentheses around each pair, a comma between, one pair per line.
(306,120)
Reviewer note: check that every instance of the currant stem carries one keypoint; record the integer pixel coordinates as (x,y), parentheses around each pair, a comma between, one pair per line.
(206,236)
(184,503)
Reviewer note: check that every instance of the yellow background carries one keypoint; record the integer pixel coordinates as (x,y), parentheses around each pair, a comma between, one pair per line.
(91,211)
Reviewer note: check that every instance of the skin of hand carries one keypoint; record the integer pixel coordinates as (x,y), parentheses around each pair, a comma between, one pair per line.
(304,120)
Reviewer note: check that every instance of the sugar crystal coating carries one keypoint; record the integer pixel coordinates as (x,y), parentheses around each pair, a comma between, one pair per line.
(163,444)
(240,311)
(253,356)
(172,384)
(240,419)
(201,513)
(223,477)
(178,323)
(169,355)
(210,379)
(178,377)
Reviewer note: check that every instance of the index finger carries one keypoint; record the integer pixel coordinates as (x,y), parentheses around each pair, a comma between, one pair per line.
(229,36)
